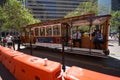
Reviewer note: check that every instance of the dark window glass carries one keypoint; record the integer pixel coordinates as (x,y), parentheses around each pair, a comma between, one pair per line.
(56,30)
(36,32)
(49,31)
(42,31)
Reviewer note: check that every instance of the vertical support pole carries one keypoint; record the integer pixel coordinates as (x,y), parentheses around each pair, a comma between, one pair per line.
(31,50)
(63,54)
(90,34)
(119,34)
(71,36)
(107,26)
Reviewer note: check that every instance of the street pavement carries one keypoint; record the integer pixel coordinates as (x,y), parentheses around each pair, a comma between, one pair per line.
(5,74)
(114,53)
(114,48)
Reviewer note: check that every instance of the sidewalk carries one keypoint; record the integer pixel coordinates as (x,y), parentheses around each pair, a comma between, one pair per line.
(21,47)
(114,49)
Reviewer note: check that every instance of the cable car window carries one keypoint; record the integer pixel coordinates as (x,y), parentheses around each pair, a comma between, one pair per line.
(36,31)
(42,31)
(31,32)
(26,31)
(48,31)
(56,30)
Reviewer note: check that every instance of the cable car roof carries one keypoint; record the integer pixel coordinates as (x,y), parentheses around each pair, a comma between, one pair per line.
(82,20)
(92,20)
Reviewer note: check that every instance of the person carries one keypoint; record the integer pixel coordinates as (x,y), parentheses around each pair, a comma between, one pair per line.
(4,41)
(94,32)
(18,42)
(77,38)
(9,41)
(98,39)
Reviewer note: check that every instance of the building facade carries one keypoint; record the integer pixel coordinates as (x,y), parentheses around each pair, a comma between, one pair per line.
(109,5)
(105,6)
(115,5)
(51,9)
(55,9)
(2,2)
(23,2)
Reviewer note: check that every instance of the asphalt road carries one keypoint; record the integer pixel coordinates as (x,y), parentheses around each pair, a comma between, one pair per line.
(5,74)
(110,65)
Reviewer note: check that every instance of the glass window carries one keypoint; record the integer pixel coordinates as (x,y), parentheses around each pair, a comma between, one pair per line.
(31,32)
(56,30)
(48,31)
(26,31)
(42,31)
(36,32)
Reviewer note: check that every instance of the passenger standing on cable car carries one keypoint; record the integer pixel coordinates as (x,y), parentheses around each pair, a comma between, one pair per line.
(98,39)
(77,38)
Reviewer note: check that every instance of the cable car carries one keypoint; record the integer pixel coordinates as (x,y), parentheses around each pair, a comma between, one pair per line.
(55,32)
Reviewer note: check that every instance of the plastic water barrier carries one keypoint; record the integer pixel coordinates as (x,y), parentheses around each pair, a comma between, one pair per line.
(27,67)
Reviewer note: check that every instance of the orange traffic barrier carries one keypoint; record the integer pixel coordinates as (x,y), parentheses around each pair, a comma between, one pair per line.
(76,73)
(0,53)
(7,58)
(26,67)
(0,56)
(34,68)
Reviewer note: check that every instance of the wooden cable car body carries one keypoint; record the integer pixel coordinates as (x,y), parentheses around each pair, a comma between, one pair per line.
(53,32)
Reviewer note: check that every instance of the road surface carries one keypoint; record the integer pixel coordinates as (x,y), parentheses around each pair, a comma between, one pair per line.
(110,65)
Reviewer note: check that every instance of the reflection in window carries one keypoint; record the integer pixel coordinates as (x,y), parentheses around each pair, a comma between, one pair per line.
(36,31)
(56,30)
(42,31)
(48,31)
